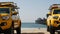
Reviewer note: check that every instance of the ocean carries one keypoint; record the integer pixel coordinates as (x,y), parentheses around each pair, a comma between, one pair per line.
(32,25)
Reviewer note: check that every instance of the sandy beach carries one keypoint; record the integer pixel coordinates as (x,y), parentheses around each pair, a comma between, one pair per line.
(34,30)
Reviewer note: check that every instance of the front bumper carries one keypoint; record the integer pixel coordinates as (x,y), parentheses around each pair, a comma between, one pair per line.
(2,31)
(56,28)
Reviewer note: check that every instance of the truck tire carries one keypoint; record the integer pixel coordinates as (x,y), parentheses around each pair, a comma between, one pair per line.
(18,30)
(52,31)
(48,28)
(9,31)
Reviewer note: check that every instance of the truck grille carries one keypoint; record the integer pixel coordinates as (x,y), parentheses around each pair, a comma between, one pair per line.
(3,24)
(57,22)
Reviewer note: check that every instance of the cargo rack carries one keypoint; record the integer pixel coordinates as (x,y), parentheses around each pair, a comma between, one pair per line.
(9,4)
(54,6)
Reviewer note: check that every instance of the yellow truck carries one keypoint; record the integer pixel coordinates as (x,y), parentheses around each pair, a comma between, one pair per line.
(53,18)
(9,18)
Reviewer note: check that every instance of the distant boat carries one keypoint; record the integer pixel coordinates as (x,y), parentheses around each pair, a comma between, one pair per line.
(40,21)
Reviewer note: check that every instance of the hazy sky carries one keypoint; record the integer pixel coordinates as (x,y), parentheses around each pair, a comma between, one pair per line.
(30,10)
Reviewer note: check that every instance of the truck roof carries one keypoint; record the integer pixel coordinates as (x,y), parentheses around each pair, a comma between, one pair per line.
(6,2)
(54,6)
(9,4)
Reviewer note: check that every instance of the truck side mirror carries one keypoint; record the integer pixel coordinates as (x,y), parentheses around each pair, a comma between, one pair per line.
(48,15)
(14,13)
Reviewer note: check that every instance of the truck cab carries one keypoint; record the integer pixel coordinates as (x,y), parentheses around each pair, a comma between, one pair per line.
(53,20)
(9,18)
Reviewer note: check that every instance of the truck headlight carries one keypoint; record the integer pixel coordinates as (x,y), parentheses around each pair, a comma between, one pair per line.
(15,17)
(55,17)
(5,17)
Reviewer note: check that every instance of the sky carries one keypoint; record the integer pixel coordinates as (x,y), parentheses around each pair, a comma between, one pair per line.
(30,10)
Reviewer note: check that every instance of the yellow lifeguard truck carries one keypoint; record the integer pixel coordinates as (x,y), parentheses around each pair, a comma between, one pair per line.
(53,19)
(9,18)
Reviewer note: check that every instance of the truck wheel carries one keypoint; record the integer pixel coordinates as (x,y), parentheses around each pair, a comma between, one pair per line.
(52,31)
(48,28)
(18,30)
(9,31)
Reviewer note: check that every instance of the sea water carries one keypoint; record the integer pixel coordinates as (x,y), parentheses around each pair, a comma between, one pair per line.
(32,25)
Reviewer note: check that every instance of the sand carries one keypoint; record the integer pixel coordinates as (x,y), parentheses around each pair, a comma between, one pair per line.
(32,33)
(34,30)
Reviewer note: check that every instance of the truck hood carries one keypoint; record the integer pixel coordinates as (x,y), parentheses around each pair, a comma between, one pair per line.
(4,14)
(57,15)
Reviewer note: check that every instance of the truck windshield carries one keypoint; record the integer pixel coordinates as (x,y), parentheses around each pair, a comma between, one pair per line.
(4,10)
(56,12)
